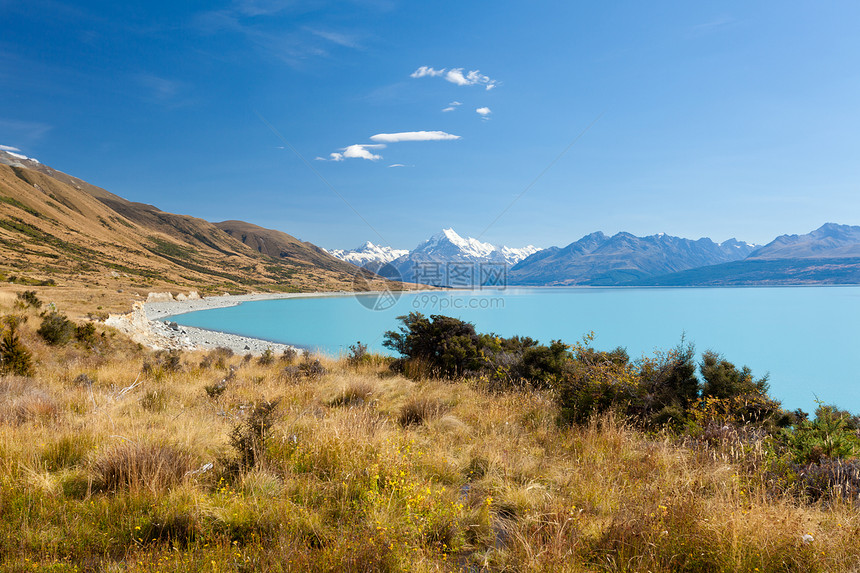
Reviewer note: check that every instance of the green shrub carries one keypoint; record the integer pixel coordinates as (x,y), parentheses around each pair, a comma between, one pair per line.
(56,329)
(29,298)
(86,333)
(724,380)
(830,435)
(14,356)
(447,343)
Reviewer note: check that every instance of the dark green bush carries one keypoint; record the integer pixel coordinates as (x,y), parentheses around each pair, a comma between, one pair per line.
(29,298)
(86,333)
(448,344)
(14,356)
(724,380)
(56,329)
(829,435)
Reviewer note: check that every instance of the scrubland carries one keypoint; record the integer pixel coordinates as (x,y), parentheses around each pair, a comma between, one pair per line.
(116,458)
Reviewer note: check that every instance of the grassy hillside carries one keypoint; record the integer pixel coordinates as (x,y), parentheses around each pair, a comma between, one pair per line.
(115,458)
(54,227)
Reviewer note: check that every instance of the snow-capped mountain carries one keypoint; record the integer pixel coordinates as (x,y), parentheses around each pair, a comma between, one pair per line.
(445,259)
(368,254)
(448,245)
(12,156)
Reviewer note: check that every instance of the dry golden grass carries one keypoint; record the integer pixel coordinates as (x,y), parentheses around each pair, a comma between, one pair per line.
(105,466)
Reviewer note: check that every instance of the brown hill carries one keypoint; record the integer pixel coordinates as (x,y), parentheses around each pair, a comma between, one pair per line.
(55,227)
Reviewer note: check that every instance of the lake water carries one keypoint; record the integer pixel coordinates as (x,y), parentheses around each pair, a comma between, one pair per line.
(807,338)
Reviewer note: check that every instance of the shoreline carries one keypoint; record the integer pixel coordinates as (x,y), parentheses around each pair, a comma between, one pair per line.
(147,322)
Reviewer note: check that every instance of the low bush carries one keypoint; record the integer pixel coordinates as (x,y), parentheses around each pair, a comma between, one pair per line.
(248,439)
(289,355)
(267,357)
(357,354)
(85,333)
(29,298)
(56,329)
(217,358)
(15,359)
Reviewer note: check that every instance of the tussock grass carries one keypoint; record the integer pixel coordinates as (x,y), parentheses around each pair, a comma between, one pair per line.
(135,468)
(140,466)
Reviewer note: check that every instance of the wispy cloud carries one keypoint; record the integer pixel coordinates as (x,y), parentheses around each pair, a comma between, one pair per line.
(161,89)
(358,151)
(711,26)
(426,71)
(25,131)
(262,7)
(344,40)
(260,24)
(457,76)
(396,165)
(8,148)
(413,136)
(484,112)
(452,106)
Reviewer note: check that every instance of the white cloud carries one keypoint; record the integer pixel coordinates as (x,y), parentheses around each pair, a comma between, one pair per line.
(8,148)
(472,78)
(396,165)
(484,111)
(455,103)
(452,106)
(426,71)
(318,158)
(413,136)
(456,76)
(358,151)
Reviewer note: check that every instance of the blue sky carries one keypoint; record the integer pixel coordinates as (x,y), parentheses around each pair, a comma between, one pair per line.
(729,119)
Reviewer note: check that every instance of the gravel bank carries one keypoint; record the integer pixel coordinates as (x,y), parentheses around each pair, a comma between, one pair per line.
(148,323)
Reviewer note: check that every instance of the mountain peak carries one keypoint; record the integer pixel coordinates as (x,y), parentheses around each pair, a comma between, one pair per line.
(831,240)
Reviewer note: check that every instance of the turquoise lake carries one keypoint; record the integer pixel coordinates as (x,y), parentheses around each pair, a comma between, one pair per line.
(807,338)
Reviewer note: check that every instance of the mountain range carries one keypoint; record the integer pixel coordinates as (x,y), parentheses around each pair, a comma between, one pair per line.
(601,260)
(445,259)
(828,255)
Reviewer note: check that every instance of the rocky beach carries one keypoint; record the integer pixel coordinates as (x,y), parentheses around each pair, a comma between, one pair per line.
(146,322)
